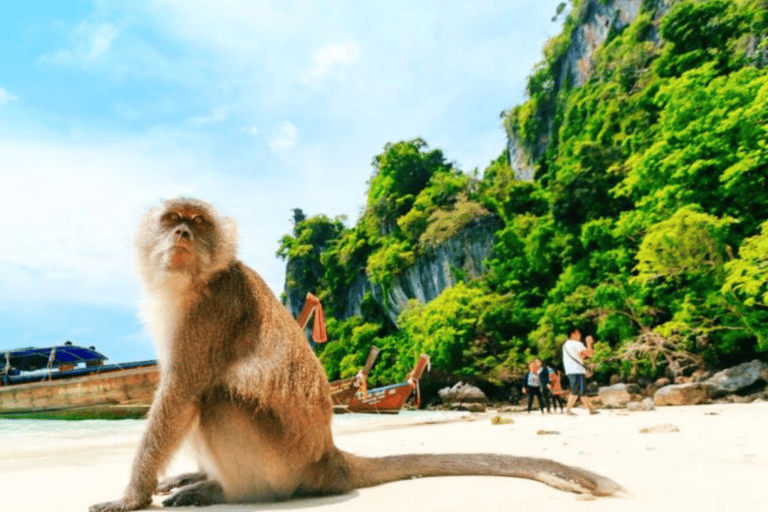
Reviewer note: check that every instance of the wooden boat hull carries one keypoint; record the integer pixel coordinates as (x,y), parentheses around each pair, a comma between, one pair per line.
(118,393)
(342,391)
(387,399)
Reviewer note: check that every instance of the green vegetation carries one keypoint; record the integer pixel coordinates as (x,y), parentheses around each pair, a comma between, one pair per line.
(646,223)
(104,412)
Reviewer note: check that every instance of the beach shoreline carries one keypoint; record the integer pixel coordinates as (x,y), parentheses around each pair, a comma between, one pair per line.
(706,457)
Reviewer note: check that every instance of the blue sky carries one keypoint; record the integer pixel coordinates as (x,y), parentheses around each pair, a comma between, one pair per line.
(107,107)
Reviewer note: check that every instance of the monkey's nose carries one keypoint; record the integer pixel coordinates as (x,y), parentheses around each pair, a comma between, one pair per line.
(182,232)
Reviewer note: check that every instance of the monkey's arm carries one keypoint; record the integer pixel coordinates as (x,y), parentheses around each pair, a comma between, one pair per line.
(170,417)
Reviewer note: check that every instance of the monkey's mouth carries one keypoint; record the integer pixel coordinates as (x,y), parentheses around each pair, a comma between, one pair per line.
(180,255)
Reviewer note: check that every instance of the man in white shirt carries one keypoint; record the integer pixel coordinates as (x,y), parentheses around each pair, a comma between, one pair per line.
(574,353)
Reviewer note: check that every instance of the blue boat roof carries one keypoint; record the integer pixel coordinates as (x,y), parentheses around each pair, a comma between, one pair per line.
(31,358)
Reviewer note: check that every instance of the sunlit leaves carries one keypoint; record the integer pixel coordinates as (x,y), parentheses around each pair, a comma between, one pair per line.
(689,242)
(748,274)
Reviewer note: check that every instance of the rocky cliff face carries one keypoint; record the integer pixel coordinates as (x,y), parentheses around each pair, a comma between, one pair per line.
(596,20)
(433,272)
(519,159)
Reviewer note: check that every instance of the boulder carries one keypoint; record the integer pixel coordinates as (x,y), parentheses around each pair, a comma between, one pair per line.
(737,378)
(682,394)
(462,393)
(467,407)
(738,399)
(700,376)
(619,395)
(614,396)
(645,405)
(661,382)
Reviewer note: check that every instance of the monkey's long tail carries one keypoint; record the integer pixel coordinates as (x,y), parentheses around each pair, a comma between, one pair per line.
(367,472)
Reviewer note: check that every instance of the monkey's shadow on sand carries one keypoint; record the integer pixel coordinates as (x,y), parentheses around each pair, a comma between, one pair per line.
(292,504)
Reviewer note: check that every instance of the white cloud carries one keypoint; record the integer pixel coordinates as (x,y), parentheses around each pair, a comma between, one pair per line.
(68,217)
(90,42)
(284,137)
(70,210)
(330,58)
(100,40)
(217,115)
(252,130)
(6,97)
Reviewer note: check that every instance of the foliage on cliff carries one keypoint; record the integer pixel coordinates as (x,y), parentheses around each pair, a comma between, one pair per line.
(647,218)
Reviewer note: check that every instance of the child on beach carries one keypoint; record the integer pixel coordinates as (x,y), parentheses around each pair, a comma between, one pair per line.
(556,388)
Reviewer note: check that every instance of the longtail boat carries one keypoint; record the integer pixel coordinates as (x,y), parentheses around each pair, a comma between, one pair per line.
(352,394)
(69,381)
(385,399)
(342,391)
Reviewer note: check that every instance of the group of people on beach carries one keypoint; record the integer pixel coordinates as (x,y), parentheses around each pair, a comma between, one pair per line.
(544,382)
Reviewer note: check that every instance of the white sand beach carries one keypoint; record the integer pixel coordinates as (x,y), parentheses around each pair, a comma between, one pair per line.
(717,460)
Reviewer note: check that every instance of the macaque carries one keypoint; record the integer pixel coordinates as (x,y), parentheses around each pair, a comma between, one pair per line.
(240,383)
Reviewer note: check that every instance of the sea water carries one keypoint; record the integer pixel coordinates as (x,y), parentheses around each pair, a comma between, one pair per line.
(28,441)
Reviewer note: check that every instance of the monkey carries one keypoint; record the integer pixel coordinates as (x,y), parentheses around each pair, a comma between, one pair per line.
(242,386)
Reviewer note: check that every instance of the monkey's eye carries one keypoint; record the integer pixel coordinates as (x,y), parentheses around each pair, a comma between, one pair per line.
(170,218)
(199,220)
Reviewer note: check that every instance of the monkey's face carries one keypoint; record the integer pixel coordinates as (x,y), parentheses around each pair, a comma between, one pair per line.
(184,236)
(189,238)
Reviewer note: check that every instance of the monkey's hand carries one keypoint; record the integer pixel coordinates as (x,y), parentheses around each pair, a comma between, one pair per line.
(169,484)
(120,505)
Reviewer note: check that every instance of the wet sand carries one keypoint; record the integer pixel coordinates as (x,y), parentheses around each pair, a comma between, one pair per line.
(716,460)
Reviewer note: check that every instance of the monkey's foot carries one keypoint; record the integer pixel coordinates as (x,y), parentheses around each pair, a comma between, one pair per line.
(199,494)
(118,506)
(167,485)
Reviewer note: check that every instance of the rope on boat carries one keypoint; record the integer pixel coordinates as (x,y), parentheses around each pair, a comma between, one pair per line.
(418,395)
(51,359)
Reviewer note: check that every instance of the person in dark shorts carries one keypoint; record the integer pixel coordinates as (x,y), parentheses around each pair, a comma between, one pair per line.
(574,353)
(544,384)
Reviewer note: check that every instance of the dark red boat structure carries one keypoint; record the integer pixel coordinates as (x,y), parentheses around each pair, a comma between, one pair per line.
(352,394)
(385,399)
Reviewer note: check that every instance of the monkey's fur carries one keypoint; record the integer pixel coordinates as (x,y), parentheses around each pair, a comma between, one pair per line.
(239,380)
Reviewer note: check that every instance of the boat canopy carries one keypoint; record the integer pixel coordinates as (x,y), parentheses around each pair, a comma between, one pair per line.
(31,358)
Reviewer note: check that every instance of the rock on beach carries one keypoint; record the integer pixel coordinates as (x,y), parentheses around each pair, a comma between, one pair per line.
(682,394)
(737,378)
(618,395)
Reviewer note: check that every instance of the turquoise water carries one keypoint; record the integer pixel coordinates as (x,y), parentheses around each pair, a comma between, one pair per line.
(28,438)
(32,438)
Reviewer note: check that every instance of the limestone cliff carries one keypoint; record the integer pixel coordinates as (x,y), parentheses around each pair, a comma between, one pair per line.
(595,21)
(434,271)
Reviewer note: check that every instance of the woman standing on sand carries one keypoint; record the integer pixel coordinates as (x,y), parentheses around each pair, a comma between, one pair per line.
(531,384)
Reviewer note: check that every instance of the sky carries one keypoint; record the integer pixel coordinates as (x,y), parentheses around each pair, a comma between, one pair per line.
(108,107)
